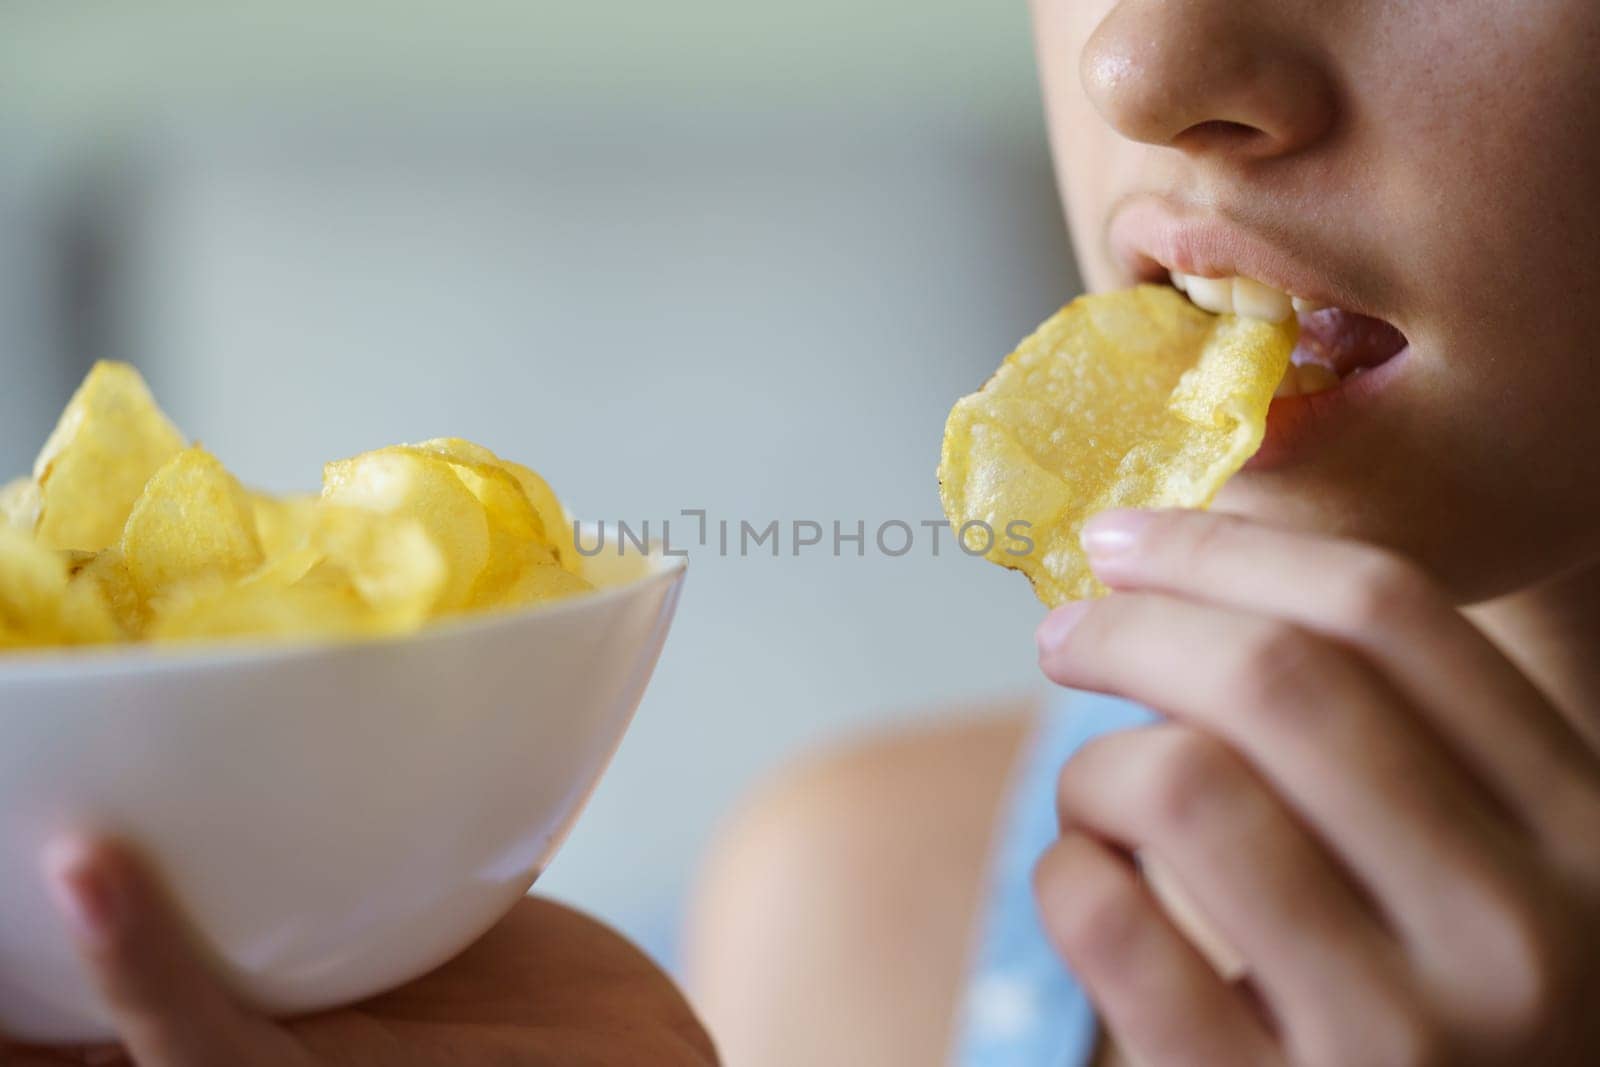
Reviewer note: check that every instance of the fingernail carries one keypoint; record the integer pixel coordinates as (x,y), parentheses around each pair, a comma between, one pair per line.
(1113,533)
(86,898)
(1052,632)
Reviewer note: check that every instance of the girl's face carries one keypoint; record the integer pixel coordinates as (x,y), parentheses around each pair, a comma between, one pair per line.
(1432,166)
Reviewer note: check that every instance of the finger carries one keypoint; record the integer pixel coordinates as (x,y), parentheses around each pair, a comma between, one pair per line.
(23,1056)
(1160,999)
(1474,697)
(1313,948)
(1324,731)
(168,1009)
(14,1054)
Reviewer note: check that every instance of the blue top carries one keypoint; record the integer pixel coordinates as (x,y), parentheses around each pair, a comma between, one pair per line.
(1022,1006)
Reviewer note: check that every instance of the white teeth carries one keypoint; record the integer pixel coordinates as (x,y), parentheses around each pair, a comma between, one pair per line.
(1243,296)
(1213,294)
(1259,301)
(1314,378)
(1253,299)
(1303,379)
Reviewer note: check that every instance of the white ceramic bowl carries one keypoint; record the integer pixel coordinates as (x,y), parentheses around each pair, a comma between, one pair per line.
(335,819)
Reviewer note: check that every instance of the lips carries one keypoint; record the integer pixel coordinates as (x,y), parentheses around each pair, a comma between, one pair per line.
(1224,267)
(1334,344)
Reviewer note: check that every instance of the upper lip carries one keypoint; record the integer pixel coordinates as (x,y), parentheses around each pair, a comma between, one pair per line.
(1148,234)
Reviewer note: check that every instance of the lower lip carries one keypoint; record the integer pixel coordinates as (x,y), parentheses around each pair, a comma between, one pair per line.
(1296,425)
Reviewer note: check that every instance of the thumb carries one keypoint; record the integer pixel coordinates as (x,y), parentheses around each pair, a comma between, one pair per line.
(168,1007)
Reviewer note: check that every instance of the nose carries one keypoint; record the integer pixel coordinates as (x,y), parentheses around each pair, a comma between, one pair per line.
(1208,77)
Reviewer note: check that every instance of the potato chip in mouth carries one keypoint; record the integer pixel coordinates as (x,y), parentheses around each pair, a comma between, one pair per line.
(1132,399)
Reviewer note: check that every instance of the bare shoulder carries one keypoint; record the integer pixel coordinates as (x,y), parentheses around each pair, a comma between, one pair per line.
(923,782)
(836,910)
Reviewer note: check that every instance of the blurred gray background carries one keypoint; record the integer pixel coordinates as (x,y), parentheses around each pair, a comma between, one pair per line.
(707,254)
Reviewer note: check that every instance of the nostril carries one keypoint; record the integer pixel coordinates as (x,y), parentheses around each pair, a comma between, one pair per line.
(1250,91)
(1220,135)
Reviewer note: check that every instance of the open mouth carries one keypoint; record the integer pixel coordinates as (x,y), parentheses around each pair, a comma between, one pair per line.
(1335,345)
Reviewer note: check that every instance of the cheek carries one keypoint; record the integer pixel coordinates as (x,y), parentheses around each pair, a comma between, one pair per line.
(1088,194)
(1078,135)
(1493,183)
(1488,171)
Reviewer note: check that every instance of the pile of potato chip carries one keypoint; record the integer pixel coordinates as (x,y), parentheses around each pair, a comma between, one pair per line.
(1133,399)
(126,532)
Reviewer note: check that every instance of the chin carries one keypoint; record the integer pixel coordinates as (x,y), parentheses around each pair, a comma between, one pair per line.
(1478,545)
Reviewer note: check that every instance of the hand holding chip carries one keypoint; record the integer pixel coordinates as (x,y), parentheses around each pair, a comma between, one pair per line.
(1391,825)
(547,985)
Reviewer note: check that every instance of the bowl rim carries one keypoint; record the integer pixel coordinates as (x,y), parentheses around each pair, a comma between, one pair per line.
(76,662)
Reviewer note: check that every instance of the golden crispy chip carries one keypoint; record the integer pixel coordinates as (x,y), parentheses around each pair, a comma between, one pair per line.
(552,525)
(75,561)
(284,524)
(38,604)
(388,561)
(123,533)
(459,449)
(414,484)
(482,472)
(212,608)
(19,504)
(111,439)
(1128,399)
(518,538)
(107,574)
(528,527)
(509,556)
(86,618)
(554,518)
(193,521)
(617,564)
(530,578)
(540,582)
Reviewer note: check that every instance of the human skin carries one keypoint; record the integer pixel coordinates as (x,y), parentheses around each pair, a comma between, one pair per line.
(1392,818)
(546,985)
(1435,165)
